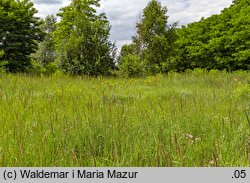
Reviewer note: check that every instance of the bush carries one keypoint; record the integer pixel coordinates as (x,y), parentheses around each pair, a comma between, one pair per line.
(2,62)
(51,68)
(131,66)
(38,68)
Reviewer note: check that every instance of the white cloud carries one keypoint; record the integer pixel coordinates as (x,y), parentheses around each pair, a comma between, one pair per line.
(47,1)
(48,7)
(194,10)
(123,15)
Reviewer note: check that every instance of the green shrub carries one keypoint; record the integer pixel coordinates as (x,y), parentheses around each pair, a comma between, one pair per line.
(2,62)
(51,68)
(38,68)
(131,66)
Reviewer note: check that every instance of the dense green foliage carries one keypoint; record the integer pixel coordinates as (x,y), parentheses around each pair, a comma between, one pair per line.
(155,37)
(131,66)
(2,63)
(82,40)
(218,42)
(153,43)
(79,42)
(193,119)
(129,62)
(19,33)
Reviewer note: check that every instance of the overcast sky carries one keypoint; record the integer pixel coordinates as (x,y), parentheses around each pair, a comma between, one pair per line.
(123,14)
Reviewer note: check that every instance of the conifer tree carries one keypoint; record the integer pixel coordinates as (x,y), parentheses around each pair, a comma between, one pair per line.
(19,33)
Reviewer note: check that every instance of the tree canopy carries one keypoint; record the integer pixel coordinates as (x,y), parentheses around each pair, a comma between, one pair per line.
(79,43)
(154,38)
(19,33)
(81,38)
(218,42)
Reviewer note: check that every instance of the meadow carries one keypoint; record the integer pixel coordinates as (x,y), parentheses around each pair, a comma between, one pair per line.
(177,120)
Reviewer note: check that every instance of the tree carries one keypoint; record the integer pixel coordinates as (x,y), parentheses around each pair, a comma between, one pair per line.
(81,38)
(46,50)
(218,42)
(155,38)
(19,33)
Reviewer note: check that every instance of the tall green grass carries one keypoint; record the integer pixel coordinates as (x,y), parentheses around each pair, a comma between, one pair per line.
(192,119)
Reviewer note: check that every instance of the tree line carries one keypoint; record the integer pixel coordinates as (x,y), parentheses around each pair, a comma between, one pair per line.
(79,43)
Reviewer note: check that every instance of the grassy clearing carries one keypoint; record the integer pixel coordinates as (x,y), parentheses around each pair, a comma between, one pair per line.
(195,119)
